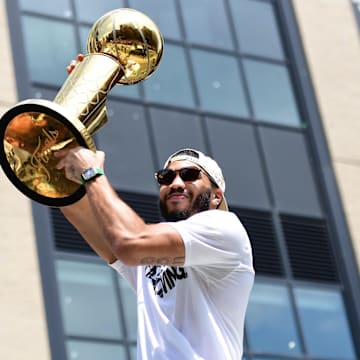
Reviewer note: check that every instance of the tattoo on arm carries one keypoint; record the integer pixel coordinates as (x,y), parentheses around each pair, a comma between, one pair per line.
(176,261)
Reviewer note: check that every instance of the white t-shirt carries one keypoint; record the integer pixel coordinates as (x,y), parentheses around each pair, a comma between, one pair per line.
(196,312)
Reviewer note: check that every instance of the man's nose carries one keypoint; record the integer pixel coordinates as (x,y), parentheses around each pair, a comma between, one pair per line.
(178,182)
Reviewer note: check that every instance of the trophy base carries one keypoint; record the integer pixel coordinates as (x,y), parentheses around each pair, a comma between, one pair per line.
(31,132)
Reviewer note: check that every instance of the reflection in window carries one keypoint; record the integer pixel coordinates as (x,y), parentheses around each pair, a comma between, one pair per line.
(257,29)
(271,93)
(97,9)
(270,323)
(219,83)
(85,350)
(212,29)
(88,301)
(166,19)
(324,323)
(49,47)
(57,8)
(170,84)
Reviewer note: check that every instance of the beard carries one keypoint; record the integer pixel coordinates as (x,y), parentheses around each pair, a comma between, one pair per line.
(201,203)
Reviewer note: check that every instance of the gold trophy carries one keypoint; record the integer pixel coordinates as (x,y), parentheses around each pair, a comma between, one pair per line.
(124,47)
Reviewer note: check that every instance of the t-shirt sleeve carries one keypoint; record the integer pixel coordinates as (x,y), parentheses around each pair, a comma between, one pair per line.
(215,238)
(129,273)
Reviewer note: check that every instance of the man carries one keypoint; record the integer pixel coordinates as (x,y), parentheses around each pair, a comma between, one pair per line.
(192,274)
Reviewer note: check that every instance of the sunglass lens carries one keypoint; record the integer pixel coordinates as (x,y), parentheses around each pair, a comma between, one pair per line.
(165,176)
(189,174)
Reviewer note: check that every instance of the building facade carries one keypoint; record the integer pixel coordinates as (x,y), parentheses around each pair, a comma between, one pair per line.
(267,87)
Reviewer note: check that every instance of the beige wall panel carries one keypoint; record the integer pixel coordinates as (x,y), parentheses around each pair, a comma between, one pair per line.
(332,46)
(331,42)
(7,84)
(23,330)
(350,189)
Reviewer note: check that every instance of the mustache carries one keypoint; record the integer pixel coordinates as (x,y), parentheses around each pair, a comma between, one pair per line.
(177,191)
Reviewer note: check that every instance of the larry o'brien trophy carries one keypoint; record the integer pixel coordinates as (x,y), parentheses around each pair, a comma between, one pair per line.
(124,47)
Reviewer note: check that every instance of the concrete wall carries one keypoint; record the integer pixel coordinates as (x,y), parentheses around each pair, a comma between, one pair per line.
(332,46)
(23,330)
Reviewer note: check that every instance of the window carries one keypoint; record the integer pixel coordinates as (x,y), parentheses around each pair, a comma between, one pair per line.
(88,300)
(271,93)
(257,29)
(239,152)
(97,9)
(173,70)
(290,172)
(270,323)
(324,323)
(48,52)
(92,300)
(166,19)
(60,8)
(219,83)
(213,29)
(175,130)
(132,165)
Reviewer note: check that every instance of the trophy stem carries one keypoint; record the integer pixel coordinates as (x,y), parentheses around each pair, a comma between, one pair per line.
(85,91)
(99,119)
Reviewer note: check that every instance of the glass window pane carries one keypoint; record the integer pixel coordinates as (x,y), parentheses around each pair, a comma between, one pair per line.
(219,83)
(58,8)
(290,171)
(133,353)
(84,34)
(257,29)
(129,91)
(170,84)
(49,47)
(166,19)
(125,140)
(272,93)
(85,350)
(206,23)
(270,325)
(174,131)
(130,308)
(90,13)
(324,323)
(228,138)
(88,300)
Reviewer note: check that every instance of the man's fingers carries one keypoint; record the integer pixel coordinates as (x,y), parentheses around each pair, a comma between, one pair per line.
(73,63)
(60,153)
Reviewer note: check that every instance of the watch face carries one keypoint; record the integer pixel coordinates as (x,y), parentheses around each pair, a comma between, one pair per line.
(89,173)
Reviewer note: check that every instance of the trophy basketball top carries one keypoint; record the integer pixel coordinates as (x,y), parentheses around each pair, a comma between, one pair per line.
(130,37)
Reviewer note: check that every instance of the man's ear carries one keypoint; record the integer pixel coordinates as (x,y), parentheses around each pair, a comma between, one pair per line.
(217,197)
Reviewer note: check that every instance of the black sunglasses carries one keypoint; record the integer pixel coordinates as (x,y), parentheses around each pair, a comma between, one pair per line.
(167,176)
